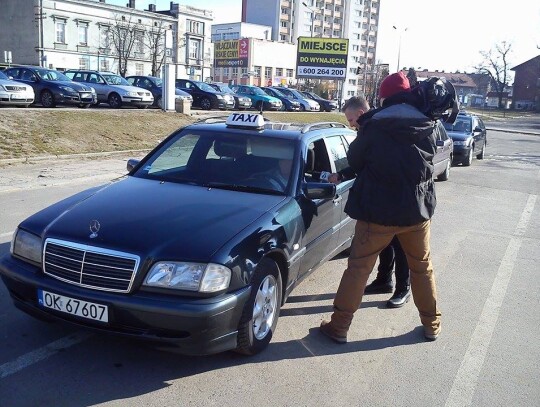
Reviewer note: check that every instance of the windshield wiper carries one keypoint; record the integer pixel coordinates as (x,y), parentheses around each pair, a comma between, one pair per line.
(242,188)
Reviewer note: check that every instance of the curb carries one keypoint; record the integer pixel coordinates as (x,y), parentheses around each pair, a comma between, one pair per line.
(529,133)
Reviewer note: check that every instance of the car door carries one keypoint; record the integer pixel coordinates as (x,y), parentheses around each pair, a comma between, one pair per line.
(337,146)
(443,151)
(478,135)
(98,83)
(190,88)
(482,126)
(321,234)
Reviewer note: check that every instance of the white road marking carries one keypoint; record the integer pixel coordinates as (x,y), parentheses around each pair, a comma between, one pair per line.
(464,385)
(42,353)
(2,235)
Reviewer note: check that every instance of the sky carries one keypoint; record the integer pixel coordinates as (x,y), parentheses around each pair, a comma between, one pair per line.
(430,34)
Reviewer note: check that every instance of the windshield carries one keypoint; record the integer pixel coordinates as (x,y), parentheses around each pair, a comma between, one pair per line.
(461,125)
(277,93)
(3,75)
(242,162)
(50,75)
(115,79)
(225,88)
(259,91)
(206,87)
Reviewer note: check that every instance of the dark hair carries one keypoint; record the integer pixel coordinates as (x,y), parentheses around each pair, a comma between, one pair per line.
(356,102)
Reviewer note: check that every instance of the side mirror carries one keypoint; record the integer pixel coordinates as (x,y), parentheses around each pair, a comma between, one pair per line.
(319,190)
(132,163)
(477,129)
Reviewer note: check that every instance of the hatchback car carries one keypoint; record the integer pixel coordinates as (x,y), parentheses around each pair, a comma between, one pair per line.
(287,103)
(14,93)
(306,104)
(199,245)
(205,96)
(470,138)
(155,86)
(240,102)
(111,88)
(259,98)
(325,104)
(53,87)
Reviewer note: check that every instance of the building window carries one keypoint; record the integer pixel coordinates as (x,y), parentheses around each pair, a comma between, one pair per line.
(234,71)
(279,71)
(194,49)
(257,71)
(104,65)
(350,93)
(60,31)
(268,72)
(139,69)
(225,71)
(337,33)
(195,27)
(84,63)
(105,40)
(139,42)
(283,24)
(83,33)
(284,10)
(290,73)
(352,81)
(283,37)
(244,71)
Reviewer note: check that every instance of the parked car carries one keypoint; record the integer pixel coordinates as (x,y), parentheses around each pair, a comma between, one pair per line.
(111,88)
(286,102)
(240,102)
(200,249)
(325,104)
(469,135)
(259,98)
(53,87)
(442,160)
(155,86)
(306,104)
(13,93)
(205,96)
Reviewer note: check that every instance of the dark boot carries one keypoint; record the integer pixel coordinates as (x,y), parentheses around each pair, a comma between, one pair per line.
(379,287)
(399,299)
(337,328)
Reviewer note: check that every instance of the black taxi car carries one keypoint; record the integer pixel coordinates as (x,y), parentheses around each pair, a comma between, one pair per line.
(199,244)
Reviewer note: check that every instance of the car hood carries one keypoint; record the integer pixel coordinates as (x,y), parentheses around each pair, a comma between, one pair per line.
(77,86)
(458,135)
(160,220)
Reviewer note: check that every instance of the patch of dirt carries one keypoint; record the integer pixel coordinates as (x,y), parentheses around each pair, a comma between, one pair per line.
(39,132)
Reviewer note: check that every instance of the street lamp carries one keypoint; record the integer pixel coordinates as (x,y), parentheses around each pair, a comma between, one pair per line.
(399,46)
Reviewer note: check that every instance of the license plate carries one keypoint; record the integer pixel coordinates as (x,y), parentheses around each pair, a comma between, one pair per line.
(18,97)
(73,306)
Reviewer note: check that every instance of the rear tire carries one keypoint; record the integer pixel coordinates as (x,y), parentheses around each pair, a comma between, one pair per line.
(446,173)
(159,102)
(206,104)
(261,311)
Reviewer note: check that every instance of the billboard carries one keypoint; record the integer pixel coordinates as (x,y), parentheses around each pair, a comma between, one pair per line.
(231,53)
(322,58)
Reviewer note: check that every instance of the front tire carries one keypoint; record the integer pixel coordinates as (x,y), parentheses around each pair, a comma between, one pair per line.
(261,311)
(115,101)
(159,102)
(469,158)
(47,99)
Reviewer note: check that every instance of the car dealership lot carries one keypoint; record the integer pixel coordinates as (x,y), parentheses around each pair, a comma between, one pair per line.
(486,250)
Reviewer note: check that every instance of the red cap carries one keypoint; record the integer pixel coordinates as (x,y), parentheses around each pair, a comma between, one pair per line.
(392,84)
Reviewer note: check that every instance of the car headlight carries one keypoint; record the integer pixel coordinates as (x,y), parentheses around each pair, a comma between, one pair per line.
(219,96)
(26,245)
(132,94)
(462,142)
(92,90)
(68,89)
(2,88)
(202,277)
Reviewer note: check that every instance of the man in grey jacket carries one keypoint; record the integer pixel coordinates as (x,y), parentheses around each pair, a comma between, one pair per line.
(393,195)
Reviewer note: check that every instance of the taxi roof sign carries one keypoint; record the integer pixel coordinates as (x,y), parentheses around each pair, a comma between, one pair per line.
(252,120)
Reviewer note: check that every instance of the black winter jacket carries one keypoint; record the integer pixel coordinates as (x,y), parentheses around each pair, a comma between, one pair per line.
(392,157)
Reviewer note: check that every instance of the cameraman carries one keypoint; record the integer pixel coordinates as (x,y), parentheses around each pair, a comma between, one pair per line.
(393,195)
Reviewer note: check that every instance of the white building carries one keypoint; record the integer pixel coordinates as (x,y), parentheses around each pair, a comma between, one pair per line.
(356,20)
(64,34)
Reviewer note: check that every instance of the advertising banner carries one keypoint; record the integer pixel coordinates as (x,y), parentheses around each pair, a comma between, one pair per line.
(322,58)
(231,53)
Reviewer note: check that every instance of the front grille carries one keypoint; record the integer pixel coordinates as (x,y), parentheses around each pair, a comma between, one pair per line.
(15,88)
(89,266)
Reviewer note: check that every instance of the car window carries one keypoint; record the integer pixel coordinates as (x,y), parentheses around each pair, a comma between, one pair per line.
(319,161)
(78,76)
(338,152)
(146,83)
(441,132)
(28,75)
(115,79)
(133,81)
(349,138)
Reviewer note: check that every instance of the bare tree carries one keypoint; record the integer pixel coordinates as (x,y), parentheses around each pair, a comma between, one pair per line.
(123,34)
(155,42)
(495,64)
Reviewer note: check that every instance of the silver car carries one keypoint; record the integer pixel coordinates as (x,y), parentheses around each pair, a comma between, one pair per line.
(15,93)
(111,88)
